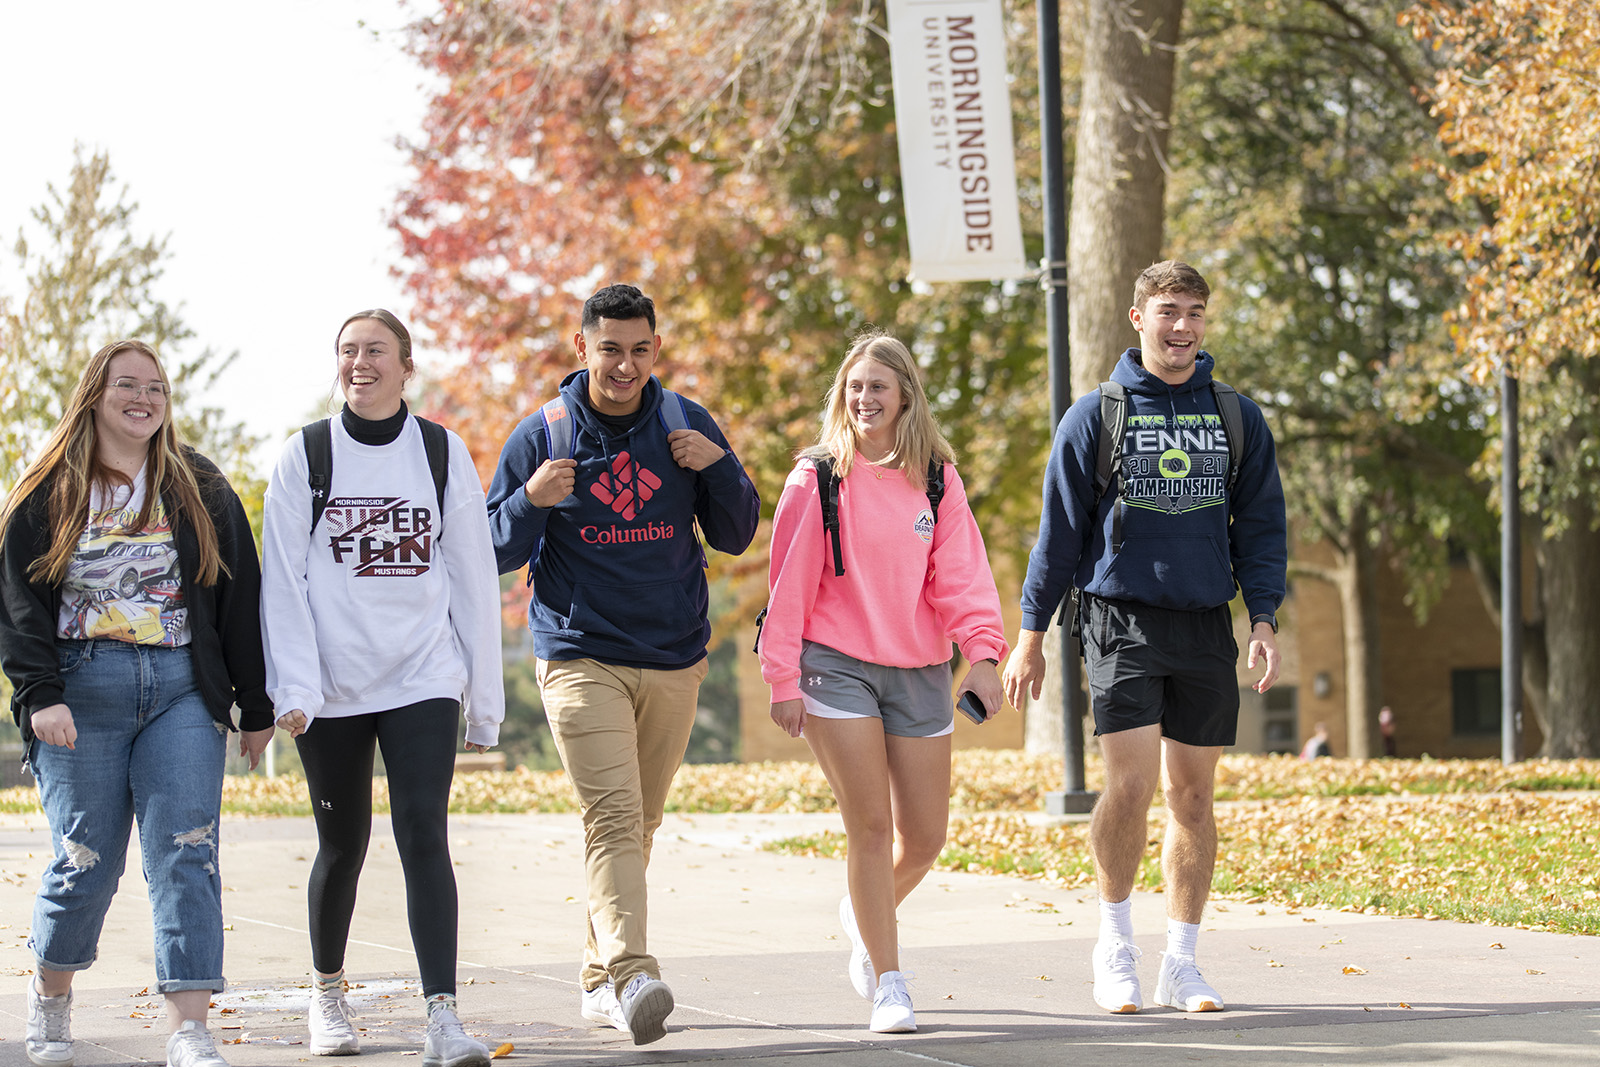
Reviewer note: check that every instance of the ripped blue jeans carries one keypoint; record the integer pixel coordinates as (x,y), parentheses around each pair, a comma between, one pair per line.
(147,748)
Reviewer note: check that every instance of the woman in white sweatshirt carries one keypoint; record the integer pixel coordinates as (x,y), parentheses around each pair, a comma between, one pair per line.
(381,612)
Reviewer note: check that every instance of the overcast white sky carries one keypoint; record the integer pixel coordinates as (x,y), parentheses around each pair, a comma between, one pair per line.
(260,137)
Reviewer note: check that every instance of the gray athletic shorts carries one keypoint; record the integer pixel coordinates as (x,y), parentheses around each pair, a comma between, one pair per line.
(911,701)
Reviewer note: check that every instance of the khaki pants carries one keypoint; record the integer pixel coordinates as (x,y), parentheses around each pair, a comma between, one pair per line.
(621,732)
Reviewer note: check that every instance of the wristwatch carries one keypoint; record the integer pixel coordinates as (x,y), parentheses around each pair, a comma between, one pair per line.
(1270,619)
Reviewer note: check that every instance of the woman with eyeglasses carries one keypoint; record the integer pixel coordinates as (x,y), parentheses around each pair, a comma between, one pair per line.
(381,612)
(129,627)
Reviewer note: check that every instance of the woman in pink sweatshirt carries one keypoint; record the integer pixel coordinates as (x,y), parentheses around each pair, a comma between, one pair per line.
(856,644)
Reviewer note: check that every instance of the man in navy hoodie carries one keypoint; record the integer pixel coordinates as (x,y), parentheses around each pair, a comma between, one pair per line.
(607,528)
(1158,558)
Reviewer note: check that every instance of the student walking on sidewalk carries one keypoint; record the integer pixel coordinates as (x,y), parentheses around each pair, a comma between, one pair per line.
(129,627)
(857,636)
(381,610)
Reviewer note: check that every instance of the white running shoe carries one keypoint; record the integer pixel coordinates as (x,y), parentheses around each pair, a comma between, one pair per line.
(332,1032)
(646,1003)
(1116,977)
(1180,986)
(600,1005)
(862,976)
(190,1046)
(891,1005)
(49,1034)
(448,1045)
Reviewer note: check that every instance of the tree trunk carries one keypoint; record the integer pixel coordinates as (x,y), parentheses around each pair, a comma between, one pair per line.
(1363,669)
(1569,569)
(1119,177)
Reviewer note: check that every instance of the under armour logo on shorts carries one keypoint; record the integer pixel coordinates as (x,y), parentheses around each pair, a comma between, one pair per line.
(813,680)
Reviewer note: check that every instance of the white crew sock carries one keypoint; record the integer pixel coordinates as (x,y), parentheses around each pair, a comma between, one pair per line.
(1181,938)
(1116,920)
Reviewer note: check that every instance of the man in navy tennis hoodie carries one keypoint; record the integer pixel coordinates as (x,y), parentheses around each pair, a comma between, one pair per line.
(1158,557)
(618,614)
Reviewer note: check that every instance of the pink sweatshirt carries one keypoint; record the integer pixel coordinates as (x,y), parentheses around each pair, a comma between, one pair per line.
(906,593)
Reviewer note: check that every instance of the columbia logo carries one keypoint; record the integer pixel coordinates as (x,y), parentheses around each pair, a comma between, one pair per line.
(626,486)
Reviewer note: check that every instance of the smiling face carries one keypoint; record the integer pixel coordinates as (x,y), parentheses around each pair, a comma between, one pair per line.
(619,354)
(125,426)
(1171,327)
(873,398)
(371,372)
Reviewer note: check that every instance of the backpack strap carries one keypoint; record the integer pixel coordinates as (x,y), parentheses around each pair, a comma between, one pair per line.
(318,437)
(674,416)
(1108,460)
(935,485)
(558,428)
(437,444)
(828,497)
(1227,398)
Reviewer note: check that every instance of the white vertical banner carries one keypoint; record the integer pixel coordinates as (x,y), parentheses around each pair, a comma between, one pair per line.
(952,110)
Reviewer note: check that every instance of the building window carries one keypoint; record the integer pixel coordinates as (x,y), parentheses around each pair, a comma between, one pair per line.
(1475,702)
(1281,726)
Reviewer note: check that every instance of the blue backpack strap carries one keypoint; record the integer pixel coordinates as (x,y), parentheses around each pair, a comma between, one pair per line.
(674,416)
(558,428)
(319,465)
(1227,398)
(437,444)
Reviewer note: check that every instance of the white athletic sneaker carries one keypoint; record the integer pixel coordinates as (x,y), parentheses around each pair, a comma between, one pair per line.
(1116,977)
(332,1032)
(862,976)
(1180,986)
(190,1046)
(448,1045)
(891,1005)
(600,1005)
(49,1034)
(646,1003)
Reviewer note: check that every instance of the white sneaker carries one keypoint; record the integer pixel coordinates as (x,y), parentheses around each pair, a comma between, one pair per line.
(646,1002)
(49,1034)
(448,1045)
(891,1005)
(862,976)
(600,1005)
(332,1032)
(1116,977)
(190,1046)
(1180,986)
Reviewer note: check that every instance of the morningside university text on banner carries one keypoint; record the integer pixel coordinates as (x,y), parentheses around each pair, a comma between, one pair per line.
(953,122)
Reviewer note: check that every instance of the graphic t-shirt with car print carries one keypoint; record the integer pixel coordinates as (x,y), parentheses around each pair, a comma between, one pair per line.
(123,583)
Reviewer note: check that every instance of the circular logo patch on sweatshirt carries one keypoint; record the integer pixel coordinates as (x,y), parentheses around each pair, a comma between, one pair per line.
(924,525)
(1174,463)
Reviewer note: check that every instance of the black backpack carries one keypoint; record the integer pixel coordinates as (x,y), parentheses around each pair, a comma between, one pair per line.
(828,500)
(1108,462)
(319,461)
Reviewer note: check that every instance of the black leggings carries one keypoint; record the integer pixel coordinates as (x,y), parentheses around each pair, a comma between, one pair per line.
(418,744)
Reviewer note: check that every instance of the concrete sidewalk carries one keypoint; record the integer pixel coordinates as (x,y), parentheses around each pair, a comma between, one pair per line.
(749,942)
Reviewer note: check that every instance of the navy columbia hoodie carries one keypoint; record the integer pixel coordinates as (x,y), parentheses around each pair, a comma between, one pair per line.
(1186,542)
(618,574)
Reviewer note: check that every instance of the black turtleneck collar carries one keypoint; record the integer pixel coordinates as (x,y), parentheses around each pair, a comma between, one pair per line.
(370,432)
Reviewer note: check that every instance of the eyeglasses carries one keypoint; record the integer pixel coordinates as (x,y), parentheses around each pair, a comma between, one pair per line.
(128,389)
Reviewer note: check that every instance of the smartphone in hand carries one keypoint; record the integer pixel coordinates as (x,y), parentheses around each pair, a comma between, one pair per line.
(970,706)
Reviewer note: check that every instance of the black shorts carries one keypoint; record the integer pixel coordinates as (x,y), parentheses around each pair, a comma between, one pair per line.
(1154,665)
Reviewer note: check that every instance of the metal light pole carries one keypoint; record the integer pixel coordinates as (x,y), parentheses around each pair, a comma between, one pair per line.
(1510,575)
(1074,798)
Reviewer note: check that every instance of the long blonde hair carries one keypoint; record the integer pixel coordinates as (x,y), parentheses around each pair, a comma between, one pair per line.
(917,438)
(70,466)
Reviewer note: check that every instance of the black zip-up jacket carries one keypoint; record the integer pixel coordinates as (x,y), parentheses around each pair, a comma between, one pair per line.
(224,619)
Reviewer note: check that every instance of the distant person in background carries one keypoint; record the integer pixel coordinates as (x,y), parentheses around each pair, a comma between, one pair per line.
(1317,744)
(129,627)
(1386,730)
(598,494)
(382,622)
(859,661)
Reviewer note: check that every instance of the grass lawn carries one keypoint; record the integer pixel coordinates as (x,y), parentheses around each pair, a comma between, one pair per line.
(1453,839)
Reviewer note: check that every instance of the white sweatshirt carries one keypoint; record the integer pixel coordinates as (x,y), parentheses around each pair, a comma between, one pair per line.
(386,606)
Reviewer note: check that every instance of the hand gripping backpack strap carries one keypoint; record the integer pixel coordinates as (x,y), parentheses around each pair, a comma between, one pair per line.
(674,416)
